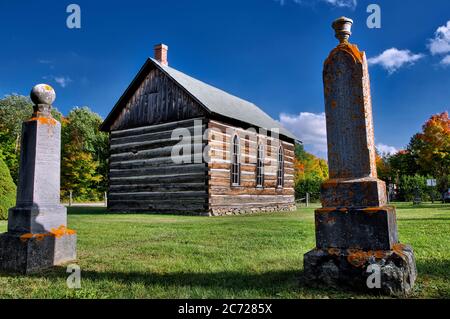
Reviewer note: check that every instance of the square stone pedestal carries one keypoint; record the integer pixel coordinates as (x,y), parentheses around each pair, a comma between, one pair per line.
(349,240)
(30,253)
(36,219)
(357,192)
(372,228)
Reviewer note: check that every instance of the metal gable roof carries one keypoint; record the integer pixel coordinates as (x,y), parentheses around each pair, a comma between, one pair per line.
(215,101)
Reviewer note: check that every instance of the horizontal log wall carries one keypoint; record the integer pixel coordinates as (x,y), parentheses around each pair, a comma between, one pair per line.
(227,199)
(143,176)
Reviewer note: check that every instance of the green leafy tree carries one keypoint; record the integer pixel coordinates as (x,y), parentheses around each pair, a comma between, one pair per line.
(310,171)
(80,174)
(14,110)
(85,154)
(384,170)
(416,185)
(7,190)
(403,163)
(310,184)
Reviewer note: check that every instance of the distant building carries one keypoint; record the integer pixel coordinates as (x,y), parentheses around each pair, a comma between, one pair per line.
(228,165)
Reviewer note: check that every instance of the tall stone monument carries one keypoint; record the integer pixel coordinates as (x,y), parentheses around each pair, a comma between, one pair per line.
(38,236)
(356,232)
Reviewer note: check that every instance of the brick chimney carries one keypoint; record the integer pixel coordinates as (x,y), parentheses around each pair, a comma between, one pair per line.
(161,53)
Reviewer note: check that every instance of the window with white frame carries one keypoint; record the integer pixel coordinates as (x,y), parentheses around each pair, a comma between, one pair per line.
(260,166)
(280,169)
(235,162)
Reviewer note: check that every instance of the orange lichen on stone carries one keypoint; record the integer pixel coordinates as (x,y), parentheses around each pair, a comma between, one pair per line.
(351,49)
(333,104)
(359,257)
(25,237)
(330,220)
(62,231)
(55,232)
(379,254)
(334,251)
(44,120)
(398,249)
(40,237)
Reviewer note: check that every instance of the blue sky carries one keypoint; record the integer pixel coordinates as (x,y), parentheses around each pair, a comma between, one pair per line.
(269,52)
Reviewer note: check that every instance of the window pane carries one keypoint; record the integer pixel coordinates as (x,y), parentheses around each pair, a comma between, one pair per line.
(280,170)
(235,158)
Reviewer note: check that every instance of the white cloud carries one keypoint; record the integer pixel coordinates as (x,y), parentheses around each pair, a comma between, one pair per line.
(63,81)
(446,60)
(386,149)
(343,3)
(310,128)
(393,59)
(440,44)
(337,3)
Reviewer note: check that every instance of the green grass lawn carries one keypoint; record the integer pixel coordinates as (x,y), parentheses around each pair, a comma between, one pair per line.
(255,256)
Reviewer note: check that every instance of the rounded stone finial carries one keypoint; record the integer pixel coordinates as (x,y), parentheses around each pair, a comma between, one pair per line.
(343,28)
(43,94)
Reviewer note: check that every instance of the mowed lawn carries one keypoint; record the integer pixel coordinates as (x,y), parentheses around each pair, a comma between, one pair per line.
(255,256)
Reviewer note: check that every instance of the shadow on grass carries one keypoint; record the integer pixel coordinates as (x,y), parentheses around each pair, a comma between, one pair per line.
(91,210)
(434,268)
(80,210)
(267,284)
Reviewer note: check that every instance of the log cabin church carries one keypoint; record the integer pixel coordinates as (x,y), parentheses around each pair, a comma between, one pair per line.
(235,159)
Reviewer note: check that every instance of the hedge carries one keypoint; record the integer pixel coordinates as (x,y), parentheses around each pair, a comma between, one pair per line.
(7,191)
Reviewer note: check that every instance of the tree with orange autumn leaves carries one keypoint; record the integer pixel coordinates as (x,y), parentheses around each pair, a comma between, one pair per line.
(427,155)
(431,147)
(309,173)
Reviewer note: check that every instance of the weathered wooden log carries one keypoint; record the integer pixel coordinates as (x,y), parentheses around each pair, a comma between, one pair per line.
(185,195)
(201,186)
(152,179)
(159,170)
(165,134)
(153,153)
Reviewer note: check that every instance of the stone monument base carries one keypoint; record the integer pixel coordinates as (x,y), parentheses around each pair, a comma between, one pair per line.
(366,228)
(30,253)
(349,268)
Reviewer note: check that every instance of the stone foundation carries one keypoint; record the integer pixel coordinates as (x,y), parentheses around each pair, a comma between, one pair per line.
(30,253)
(349,268)
(243,211)
(217,211)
